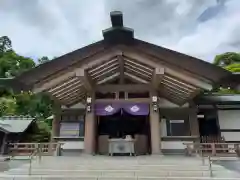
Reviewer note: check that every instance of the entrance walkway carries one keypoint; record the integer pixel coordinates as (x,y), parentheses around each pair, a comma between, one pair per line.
(130,168)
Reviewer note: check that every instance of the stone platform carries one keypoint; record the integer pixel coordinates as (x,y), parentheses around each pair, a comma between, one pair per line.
(85,167)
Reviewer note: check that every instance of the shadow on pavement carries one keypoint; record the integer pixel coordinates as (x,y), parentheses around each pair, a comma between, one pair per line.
(11,164)
(233,165)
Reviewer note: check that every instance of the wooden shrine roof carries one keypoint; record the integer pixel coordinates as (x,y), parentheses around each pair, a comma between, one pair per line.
(70,77)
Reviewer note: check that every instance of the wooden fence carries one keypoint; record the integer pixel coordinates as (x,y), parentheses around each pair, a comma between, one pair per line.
(213,149)
(29,148)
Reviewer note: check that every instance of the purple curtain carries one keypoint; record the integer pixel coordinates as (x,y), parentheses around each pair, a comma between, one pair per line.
(106,109)
(138,109)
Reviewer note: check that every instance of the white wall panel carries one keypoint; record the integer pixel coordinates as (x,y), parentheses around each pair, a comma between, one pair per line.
(174,144)
(231,136)
(72,144)
(229,119)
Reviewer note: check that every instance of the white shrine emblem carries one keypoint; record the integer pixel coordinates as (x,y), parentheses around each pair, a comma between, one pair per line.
(109,108)
(135,108)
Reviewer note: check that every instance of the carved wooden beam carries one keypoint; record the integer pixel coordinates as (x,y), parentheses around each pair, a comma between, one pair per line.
(169,69)
(87,62)
(148,72)
(98,65)
(67,88)
(70,91)
(108,78)
(137,72)
(85,79)
(172,97)
(106,73)
(138,64)
(176,91)
(136,100)
(103,69)
(75,100)
(135,78)
(175,94)
(73,96)
(174,88)
(121,69)
(179,82)
(176,84)
(53,83)
(64,85)
(157,77)
(125,88)
(195,93)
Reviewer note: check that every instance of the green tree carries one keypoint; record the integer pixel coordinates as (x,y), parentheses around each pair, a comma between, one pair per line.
(7,106)
(40,132)
(5,44)
(36,105)
(43,59)
(235,67)
(12,64)
(229,61)
(25,103)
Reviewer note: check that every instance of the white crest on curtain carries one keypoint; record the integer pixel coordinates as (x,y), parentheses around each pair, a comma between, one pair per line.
(135,108)
(109,108)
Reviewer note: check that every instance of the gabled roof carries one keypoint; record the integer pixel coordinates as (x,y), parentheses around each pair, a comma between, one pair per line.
(15,124)
(118,35)
(121,40)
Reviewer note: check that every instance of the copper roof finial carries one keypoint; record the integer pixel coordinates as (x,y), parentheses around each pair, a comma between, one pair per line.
(116,18)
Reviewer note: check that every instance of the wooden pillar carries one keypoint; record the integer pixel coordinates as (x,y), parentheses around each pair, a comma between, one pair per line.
(56,121)
(90,130)
(155,128)
(193,120)
(3,146)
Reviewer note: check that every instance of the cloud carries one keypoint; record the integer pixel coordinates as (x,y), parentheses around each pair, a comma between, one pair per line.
(201,28)
(51,29)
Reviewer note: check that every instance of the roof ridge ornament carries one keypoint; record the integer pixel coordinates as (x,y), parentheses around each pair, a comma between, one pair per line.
(116,18)
(118,34)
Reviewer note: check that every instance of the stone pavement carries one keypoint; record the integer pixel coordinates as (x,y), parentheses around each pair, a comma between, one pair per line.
(123,168)
(231,163)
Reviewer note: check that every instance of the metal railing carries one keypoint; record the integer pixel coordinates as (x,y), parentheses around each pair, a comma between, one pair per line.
(30,161)
(213,151)
(33,150)
(210,166)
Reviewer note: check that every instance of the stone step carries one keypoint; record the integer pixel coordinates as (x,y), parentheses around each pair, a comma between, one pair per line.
(36,163)
(142,161)
(165,173)
(126,163)
(119,168)
(115,173)
(125,159)
(106,178)
(122,167)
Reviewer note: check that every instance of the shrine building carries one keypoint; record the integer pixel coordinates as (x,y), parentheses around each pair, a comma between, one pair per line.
(124,87)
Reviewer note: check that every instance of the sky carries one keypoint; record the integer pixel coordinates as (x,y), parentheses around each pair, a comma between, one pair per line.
(200,28)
